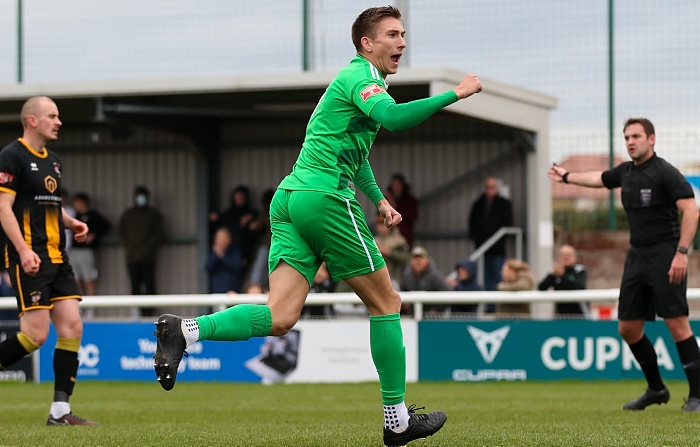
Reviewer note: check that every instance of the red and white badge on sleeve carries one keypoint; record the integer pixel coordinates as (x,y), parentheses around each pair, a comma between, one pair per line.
(371,90)
(6,178)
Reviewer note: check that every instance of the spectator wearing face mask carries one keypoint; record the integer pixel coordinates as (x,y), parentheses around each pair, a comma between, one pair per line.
(141,233)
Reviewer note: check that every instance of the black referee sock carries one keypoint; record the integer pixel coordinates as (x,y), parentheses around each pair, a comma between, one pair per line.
(689,354)
(645,354)
(12,350)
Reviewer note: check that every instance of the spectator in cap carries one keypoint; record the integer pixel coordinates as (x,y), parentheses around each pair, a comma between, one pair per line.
(422,274)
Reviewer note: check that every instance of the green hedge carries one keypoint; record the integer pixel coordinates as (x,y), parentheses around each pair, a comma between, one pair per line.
(596,220)
(591,220)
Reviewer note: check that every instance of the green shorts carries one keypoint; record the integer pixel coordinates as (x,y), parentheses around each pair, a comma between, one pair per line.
(309,227)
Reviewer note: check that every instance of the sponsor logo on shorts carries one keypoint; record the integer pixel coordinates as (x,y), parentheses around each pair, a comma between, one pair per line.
(371,90)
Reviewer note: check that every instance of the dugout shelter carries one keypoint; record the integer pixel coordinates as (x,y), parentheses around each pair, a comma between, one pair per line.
(191,141)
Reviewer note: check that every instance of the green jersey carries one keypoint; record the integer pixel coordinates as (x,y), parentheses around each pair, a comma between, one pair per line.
(339,136)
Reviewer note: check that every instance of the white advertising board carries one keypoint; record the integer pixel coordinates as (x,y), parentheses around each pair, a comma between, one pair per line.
(338,351)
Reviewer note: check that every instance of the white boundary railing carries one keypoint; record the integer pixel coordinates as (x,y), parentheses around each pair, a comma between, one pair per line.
(221,301)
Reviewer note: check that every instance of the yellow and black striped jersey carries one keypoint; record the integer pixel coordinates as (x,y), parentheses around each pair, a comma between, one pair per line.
(34,178)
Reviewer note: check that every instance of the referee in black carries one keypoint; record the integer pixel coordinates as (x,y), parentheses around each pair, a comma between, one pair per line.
(654,281)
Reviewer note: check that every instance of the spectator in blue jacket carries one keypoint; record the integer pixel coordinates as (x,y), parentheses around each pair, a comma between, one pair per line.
(465,281)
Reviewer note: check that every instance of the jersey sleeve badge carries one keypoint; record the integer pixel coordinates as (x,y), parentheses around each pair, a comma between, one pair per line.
(370,91)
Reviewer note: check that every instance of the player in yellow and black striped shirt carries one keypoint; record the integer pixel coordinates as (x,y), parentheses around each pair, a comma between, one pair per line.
(34,221)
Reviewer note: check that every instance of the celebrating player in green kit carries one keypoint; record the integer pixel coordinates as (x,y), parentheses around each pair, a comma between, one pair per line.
(315,217)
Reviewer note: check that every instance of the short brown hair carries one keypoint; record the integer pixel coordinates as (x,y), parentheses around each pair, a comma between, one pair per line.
(646,124)
(366,23)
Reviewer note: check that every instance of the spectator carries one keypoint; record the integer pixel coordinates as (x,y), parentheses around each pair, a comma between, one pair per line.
(422,274)
(141,233)
(394,248)
(567,274)
(83,255)
(399,196)
(489,213)
(260,228)
(465,281)
(224,264)
(516,276)
(323,283)
(237,219)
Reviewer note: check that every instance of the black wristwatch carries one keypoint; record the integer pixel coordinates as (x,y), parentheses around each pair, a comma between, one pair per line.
(683,250)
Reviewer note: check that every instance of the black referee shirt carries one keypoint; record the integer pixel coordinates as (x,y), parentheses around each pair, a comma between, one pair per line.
(649,195)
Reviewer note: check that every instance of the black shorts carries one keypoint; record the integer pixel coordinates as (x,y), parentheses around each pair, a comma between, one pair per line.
(52,282)
(645,290)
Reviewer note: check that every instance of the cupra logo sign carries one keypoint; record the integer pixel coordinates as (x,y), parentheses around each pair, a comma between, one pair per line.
(488,343)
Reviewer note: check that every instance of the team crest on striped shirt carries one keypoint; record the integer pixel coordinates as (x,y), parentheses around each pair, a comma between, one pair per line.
(371,90)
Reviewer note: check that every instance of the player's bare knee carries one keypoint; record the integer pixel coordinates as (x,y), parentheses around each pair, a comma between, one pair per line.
(680,332)
(393,301)
(388,304)
(72,328)
(631,334)
(37,335)
(281,327)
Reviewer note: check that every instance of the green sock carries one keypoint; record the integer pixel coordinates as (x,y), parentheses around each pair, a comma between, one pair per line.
(236,323)
(389,355)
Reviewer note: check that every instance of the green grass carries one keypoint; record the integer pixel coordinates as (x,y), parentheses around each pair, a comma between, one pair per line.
(216,414)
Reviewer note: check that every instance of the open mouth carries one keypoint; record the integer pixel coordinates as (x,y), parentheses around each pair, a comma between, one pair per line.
(395,58)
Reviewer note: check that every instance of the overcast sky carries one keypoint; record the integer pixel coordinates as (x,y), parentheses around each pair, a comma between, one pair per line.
(558,47)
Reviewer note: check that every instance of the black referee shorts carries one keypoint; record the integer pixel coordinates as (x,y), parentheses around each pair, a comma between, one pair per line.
(52,282)
(645,290)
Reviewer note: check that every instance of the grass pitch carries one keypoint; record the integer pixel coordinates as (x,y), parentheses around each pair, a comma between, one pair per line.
(220,414)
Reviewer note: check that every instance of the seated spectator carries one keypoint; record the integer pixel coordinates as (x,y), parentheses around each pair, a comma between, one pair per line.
(465,281)
(394,249)
(516,276)
(225,264)
(322,284)
(567,274)
(422,274)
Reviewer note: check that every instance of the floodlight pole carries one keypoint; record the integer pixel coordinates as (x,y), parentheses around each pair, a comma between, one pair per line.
(612,215)
(306,38)
(402,6)
(19,43)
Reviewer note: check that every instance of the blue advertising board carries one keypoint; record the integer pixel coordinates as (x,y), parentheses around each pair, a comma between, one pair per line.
(476,351)
(124,351)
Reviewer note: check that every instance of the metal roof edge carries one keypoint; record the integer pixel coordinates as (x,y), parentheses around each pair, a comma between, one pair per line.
(256,82)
